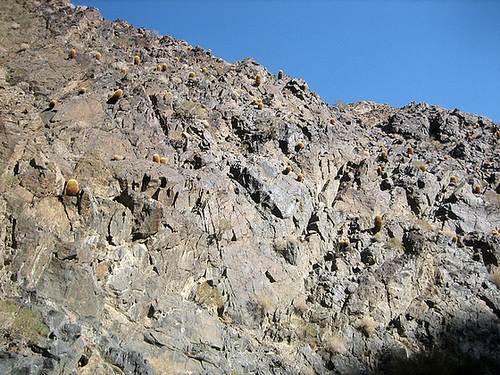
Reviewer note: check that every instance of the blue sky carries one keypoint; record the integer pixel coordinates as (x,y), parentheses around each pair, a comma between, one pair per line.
(444,52)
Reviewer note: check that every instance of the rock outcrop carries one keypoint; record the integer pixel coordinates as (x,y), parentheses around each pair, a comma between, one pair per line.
(223,260)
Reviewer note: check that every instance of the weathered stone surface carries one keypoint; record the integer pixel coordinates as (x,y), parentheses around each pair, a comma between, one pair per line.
(223,260)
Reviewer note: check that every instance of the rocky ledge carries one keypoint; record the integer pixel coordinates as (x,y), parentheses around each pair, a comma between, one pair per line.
(276,235)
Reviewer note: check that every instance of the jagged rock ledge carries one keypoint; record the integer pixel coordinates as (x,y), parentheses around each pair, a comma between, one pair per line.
(223,259)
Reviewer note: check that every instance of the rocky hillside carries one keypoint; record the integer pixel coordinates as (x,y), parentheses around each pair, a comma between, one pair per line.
(276,235)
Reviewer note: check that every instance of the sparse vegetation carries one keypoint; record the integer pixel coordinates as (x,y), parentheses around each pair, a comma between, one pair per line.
(153,245)
(122,41)
(300,306)
(335,345)
(378,224)
(420,166)
(308,333)
(222,226)
(116,96)
(72,187)
(25,326)
(189,110)
(346,242)
(366,325)
(162,364)
(395,243)
(495,277)
(208,295)
(7,179)
(263,302)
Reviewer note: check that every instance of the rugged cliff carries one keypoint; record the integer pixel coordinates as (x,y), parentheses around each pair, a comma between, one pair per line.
(280,235)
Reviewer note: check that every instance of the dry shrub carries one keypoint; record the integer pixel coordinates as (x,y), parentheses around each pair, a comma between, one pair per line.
(264,303)
(300,305)
(208,295)
(367,325)
(335,345)
(495,277)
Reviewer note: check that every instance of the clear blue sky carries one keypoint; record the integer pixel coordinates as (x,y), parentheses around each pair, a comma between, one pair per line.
(443,52)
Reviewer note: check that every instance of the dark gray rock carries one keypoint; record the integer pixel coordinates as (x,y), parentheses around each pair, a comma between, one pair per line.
(221,260)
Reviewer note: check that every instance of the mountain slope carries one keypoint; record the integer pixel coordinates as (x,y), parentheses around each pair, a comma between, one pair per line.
(379,242)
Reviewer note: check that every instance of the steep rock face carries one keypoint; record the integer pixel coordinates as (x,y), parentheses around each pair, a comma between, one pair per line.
(222,260)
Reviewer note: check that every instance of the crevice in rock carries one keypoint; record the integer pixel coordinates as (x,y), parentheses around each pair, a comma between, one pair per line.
(491,305)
